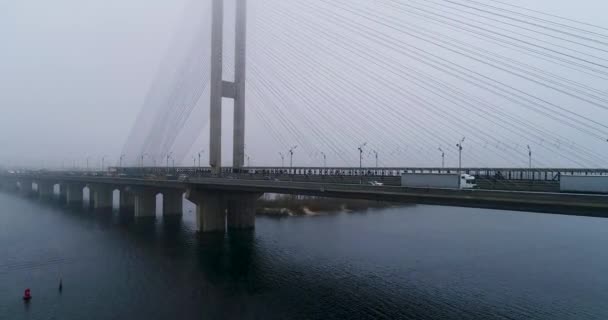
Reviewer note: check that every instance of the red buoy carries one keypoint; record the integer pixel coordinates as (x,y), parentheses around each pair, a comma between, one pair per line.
(27,294)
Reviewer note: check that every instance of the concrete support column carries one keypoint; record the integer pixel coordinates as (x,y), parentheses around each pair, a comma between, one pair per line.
(241,210)
(63,193)
(238,153)
(127,201)
(173,202)
(8,185)
(101,196)
(145,203)
(45,190)
(216,86)
(210,210)
(73,194)
(25,187)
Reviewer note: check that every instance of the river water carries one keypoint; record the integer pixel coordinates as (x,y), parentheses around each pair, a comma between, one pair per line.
(418,262)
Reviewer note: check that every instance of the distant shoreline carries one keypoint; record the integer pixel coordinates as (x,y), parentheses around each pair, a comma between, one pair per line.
(290,205)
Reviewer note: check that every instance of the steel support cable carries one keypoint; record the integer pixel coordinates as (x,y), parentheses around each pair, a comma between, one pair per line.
(284,102)
(337,104)
(266,121)
(525,66)
(528,22)
(288,124)
(548,15)
(162,126)
(587,61)
(285,81)
(318,89)
(283,121)
(190,99)
(531,18)
(482,138)
(518,48)
(491,35)
(154,93)
(582,44)
(534,127)
(426,54)
(275,25)
(524,127)
(307,121)
(442,44)
(270,117)
(185,98)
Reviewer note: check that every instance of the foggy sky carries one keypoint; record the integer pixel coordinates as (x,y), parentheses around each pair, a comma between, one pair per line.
(75,74)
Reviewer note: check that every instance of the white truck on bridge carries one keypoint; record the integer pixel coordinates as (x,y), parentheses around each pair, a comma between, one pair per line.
(438,180)
(583,184)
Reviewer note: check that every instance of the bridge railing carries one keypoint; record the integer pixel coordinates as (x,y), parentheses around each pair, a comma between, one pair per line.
(497,174)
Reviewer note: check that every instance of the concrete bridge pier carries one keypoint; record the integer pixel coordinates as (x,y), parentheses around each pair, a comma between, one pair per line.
(45,190)
(173,201)
(8,185)
(101,197)
(241,210)
(63,193)
(127,201)
(25,187)
(210,210)
(73,194)
(145,203)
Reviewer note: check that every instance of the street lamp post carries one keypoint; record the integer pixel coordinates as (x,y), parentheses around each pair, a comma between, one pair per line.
(282,159)
(291,156)
(199,157)
(122,156)
(376,155)
(103,159)
(361,162)
(324,159)
(459,146)
(168,157)
(530,156)
(141,163)
(442,158)
(193,161)
(361,154)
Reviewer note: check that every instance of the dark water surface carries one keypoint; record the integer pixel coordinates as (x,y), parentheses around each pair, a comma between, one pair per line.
(419,262)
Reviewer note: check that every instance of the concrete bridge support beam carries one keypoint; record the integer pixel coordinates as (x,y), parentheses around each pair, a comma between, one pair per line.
(74,194)
(101,197)
(210,210)
(25,187)
(127,201)
(8,185)
(63,193)
(173,202)
(241,210)
(145,203)
(45,190)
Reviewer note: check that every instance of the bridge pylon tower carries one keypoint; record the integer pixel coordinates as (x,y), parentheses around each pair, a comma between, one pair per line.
(224,89)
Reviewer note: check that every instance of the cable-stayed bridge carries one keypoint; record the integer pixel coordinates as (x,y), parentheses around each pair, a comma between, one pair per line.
(374,88)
